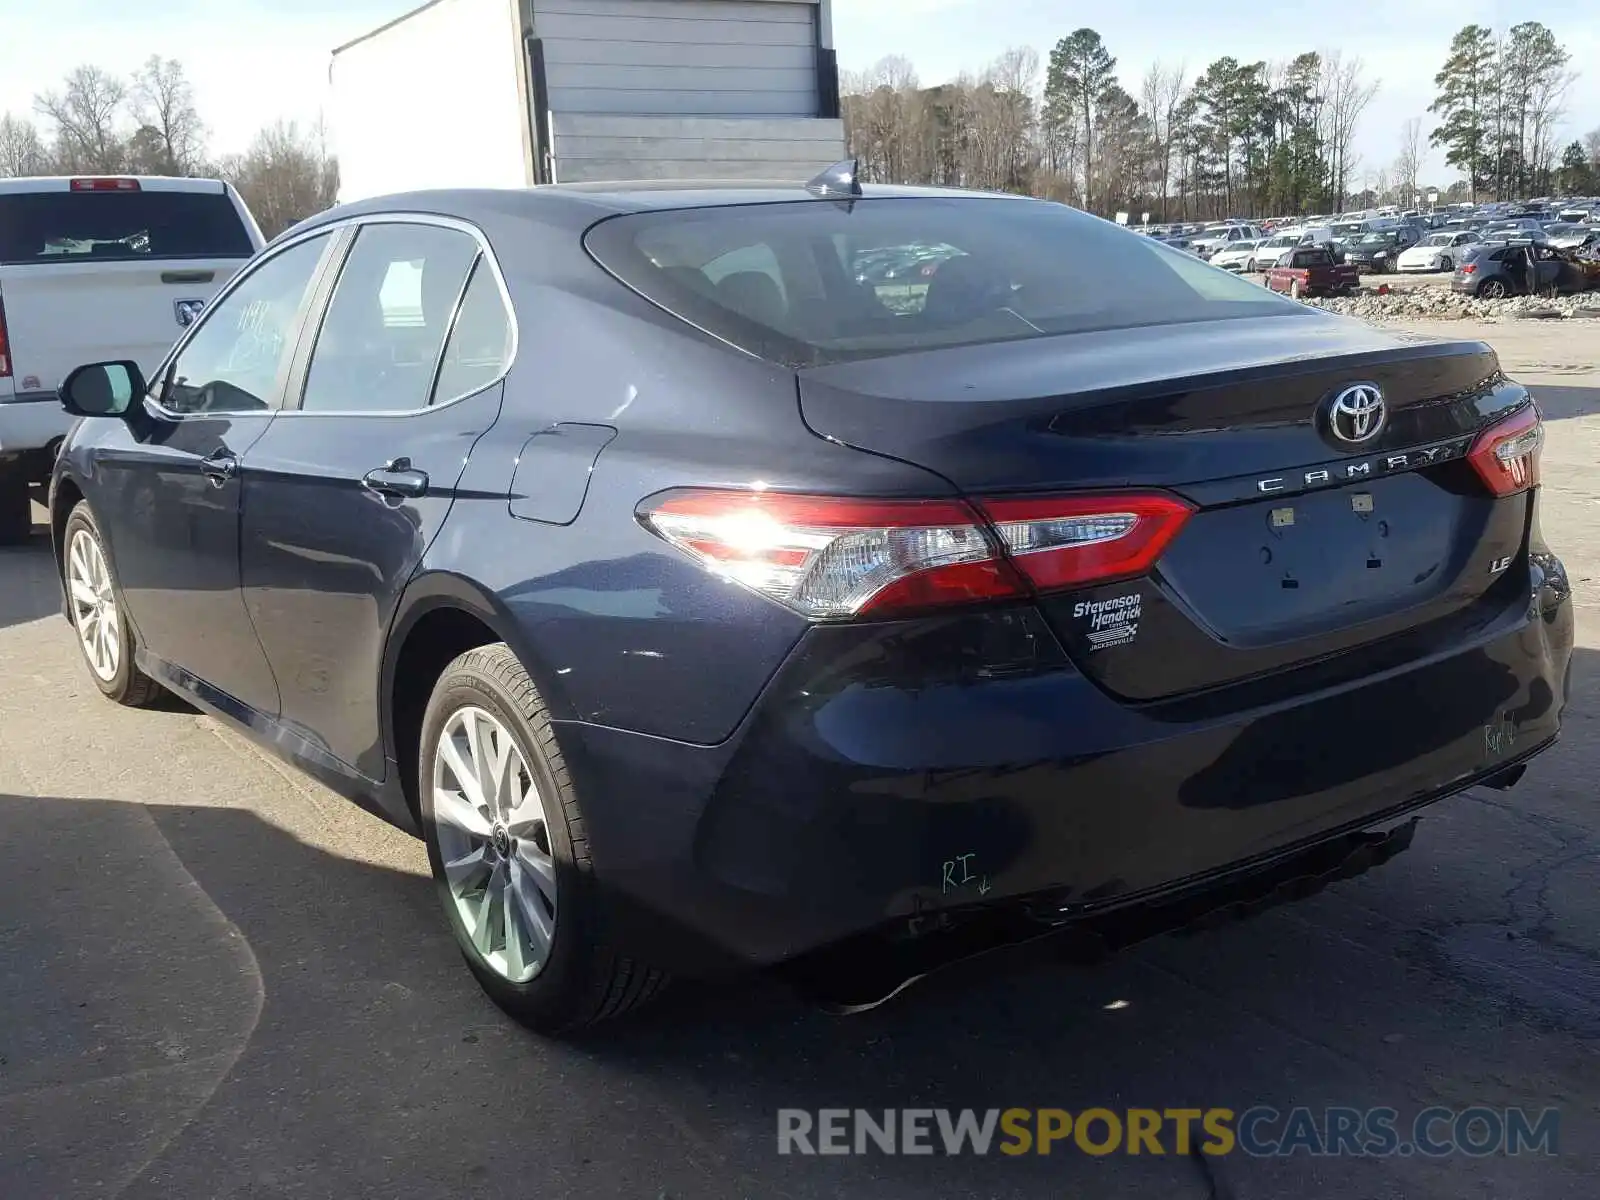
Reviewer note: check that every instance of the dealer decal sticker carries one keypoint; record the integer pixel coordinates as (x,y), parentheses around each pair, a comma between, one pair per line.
(1113,622)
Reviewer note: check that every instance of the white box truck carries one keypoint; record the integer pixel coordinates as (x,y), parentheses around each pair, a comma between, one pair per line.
(512,93)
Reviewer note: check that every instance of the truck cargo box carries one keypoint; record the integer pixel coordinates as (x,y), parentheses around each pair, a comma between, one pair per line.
(511,93)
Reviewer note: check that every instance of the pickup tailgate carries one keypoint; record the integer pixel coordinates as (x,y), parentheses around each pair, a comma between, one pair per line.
(1300,548)
(93,275)
(66,314)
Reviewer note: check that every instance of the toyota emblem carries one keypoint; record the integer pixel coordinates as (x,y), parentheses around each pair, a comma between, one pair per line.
(1357,414)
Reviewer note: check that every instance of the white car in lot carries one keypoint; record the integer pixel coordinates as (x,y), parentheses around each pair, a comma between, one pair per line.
(1224,237)
(1237,256)
(93,270)
(1275,247)
(1436,252)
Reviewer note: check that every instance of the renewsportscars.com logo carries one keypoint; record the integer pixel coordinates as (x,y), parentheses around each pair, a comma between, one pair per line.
(1261,1131)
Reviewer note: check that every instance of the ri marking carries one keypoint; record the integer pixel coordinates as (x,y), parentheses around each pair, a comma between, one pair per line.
(958,874)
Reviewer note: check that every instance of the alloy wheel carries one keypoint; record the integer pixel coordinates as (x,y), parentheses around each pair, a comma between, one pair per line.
(94,605)
(494,844)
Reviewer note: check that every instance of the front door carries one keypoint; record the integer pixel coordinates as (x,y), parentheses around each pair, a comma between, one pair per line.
(353,480)
(167,484)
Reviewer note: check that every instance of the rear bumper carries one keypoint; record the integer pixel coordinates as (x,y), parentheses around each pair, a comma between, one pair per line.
(30,422)
(879,782)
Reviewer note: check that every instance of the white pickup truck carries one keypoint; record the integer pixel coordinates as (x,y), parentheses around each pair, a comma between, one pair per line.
(95,269)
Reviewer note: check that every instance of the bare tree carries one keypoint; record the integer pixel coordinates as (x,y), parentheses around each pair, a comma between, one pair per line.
(1546,110)
(162,102)
(285,176)
(883,115)
(22,151)
(1013,81)
(1347,94)
(1591,144)
(84,118)
(1408,164)
(1162,94)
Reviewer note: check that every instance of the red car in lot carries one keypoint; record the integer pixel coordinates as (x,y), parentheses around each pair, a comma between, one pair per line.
(1312,271)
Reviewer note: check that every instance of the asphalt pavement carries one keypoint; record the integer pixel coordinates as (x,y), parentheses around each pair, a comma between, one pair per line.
(219,980)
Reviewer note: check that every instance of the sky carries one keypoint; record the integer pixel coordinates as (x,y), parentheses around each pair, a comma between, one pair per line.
(255,61)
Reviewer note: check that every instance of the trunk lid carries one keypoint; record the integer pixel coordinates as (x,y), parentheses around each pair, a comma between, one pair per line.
(1302,547)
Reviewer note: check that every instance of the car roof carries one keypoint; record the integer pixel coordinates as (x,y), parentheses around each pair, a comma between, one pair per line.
(630,197)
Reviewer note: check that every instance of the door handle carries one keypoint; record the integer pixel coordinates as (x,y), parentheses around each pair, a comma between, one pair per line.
(219,466)
(397,479)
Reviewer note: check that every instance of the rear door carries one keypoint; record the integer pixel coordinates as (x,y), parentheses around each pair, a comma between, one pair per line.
(348,487)
(102,269)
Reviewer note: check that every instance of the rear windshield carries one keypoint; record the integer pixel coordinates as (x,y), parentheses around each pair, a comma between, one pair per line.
(41,227)
(815,281)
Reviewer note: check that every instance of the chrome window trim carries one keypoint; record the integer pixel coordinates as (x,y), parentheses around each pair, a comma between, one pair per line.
(336,228)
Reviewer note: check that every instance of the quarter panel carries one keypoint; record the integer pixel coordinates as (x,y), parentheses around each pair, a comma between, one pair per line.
(638,636)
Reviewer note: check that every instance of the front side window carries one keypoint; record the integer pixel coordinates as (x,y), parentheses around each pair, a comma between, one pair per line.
(391,309)
(234,361)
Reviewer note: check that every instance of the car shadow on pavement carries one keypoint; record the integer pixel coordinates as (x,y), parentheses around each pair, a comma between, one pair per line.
(1565,403)
(196,1002)
(31,589)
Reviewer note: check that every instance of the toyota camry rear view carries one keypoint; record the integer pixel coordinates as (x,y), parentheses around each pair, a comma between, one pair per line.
(709,598)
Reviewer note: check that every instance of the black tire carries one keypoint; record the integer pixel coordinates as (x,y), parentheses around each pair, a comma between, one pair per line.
(1447,265)
(129,686)
(583,980)
(16,507)
(1493,289)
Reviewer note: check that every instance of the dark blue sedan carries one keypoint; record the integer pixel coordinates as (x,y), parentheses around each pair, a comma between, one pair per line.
(705,603)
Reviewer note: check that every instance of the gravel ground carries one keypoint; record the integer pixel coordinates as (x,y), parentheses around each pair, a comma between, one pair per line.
(1441,304)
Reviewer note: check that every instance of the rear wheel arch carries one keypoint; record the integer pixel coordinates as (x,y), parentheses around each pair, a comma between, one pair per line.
(442,617)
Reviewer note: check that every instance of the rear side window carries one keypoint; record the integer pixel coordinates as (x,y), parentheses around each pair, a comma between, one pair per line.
(479,349)
(814,282)
(45,227)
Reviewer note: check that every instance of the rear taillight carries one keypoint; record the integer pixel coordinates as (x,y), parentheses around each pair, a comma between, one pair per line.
(1070,541)
(1506,455)
(1468,268)
(104,185)
(832,557)
(5,343)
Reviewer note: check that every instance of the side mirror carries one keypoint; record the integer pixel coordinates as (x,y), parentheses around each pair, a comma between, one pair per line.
(102,389)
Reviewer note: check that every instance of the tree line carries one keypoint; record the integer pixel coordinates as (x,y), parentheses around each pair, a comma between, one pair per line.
(100,123)
(1501,100)
(1238,139)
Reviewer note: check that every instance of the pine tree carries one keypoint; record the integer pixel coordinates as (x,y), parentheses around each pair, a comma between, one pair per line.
(1465,105)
